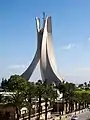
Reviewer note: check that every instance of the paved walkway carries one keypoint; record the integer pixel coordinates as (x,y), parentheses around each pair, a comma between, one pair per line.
(64,117)
(68,116)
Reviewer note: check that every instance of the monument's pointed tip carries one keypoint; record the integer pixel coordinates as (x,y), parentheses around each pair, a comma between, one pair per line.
(44,15)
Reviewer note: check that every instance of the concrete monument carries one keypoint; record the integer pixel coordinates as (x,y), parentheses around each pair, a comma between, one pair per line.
(44,53)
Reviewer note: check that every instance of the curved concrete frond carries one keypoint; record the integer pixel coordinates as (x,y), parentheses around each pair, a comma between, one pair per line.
(45,54)
(27,74)
(43,48)
(48,65)
(37,24)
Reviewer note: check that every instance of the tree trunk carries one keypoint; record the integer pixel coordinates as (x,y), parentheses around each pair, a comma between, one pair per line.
(23,116)
(46,109)
(29,113)
(85,104)
(17,112)
(39,106)
(66,106)
(29,108)
(79,107)
(76,106)
(62,107)
(69,107)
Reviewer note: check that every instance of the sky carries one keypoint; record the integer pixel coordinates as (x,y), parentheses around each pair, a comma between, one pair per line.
(71,37)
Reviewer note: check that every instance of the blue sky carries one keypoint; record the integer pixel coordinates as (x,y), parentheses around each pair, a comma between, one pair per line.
(71,36)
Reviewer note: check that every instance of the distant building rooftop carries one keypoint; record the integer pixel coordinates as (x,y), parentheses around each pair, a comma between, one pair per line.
(6,93)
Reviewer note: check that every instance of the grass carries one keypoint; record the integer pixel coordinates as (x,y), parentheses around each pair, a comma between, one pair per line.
(82,91)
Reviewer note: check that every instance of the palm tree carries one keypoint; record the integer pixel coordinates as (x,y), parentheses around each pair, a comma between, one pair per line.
(80,85)
(66,97)
(71,88)
(67,90)
(17,101)
(4,84)
(17,85)
(29,95)
(88,100)
(85,84)
(89,84)
(76,100)
(62,89)
(49,94)
(38,94)
(79,100)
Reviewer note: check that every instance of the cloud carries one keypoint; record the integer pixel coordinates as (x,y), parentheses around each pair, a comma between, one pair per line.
(89,39)
(69,46)
(16,66)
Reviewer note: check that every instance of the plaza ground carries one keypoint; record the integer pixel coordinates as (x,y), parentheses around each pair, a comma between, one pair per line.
(81,116)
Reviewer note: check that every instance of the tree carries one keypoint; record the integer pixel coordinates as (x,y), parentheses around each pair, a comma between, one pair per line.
(49,94)
(17,85)
(38,93)
(4,84)
(62,89)
(67,90)
(17,101)
(89,84)
(30,94)
(88,99)
(82,98)
(80,85)
(85,84)
(75,100)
